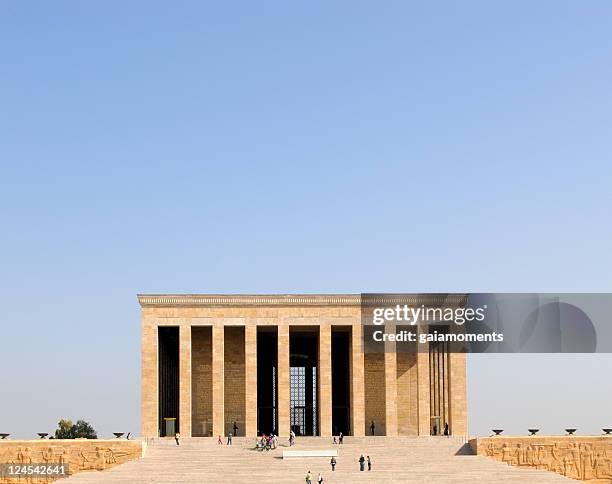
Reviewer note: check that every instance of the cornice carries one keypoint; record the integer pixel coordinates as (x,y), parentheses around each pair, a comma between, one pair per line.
(267,300)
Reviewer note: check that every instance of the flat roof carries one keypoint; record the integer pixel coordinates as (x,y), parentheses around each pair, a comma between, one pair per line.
(212,300)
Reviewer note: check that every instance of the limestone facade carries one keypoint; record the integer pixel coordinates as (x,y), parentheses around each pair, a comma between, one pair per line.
(218,364)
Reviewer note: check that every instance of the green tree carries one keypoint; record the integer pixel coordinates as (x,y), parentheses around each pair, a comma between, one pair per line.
(64,430)
(81,430)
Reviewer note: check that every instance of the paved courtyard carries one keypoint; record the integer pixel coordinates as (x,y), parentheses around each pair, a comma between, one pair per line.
(398,459)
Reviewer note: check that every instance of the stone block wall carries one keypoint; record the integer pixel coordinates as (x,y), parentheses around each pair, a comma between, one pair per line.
(201,380)
(407,415)
(234,386)
(375,396)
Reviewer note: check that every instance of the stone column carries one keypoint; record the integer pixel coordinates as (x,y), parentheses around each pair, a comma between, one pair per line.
(149,421)
(357,382)
(458,393)
(283,381)
(218,343)
(250,369)
(325,380)
(390,386)
(185,379)
(423,383)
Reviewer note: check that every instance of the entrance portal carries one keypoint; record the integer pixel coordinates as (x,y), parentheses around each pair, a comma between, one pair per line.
(168,342)
(267,380)
(304,358)
(340,352)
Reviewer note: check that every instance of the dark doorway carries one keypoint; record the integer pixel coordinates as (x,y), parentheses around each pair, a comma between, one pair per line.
(340,352)
(168,343)
(303,397)
(438,388)
(267,378)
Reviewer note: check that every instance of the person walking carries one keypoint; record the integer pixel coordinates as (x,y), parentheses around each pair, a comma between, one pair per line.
(320,479)
(177,437)
(372,427)
(369,464)
(340,438)
(361,463)
(235,428)
(229,439)
(446,432)
(219,441)
(308,478)
(333,463)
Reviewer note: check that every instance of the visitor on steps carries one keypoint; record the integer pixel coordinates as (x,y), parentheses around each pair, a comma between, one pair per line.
(372,427)
(446,432)
(235,428)
(177,436)
(320,479)
(341,438)
(335,441)
(229,439)
(362,463)
(369,464)
(333,463)
(308,478)
(219,441)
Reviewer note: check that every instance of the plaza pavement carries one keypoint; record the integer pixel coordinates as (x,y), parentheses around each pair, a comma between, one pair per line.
(395,460)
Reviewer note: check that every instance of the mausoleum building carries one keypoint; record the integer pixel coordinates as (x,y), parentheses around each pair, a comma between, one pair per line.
(252,364)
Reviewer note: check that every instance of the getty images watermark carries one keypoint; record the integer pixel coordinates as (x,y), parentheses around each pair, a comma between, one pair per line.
(488,322)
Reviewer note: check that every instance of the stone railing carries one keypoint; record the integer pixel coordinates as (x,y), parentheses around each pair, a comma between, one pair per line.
(77,454)
(578,457)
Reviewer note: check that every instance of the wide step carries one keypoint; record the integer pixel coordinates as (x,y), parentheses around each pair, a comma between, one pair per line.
(423,459)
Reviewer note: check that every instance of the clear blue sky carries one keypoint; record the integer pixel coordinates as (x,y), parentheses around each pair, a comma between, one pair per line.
(295,147)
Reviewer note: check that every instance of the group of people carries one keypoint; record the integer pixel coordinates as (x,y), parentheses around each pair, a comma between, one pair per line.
(362,463)
(266,442)
(229,439)
(309,478)
(445,432)
(230,435)
(340,438)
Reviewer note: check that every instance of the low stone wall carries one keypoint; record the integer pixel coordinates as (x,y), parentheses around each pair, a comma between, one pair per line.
(579,457)
(79,454)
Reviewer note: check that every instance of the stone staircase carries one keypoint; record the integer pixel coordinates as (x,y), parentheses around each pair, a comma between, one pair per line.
(394,459)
